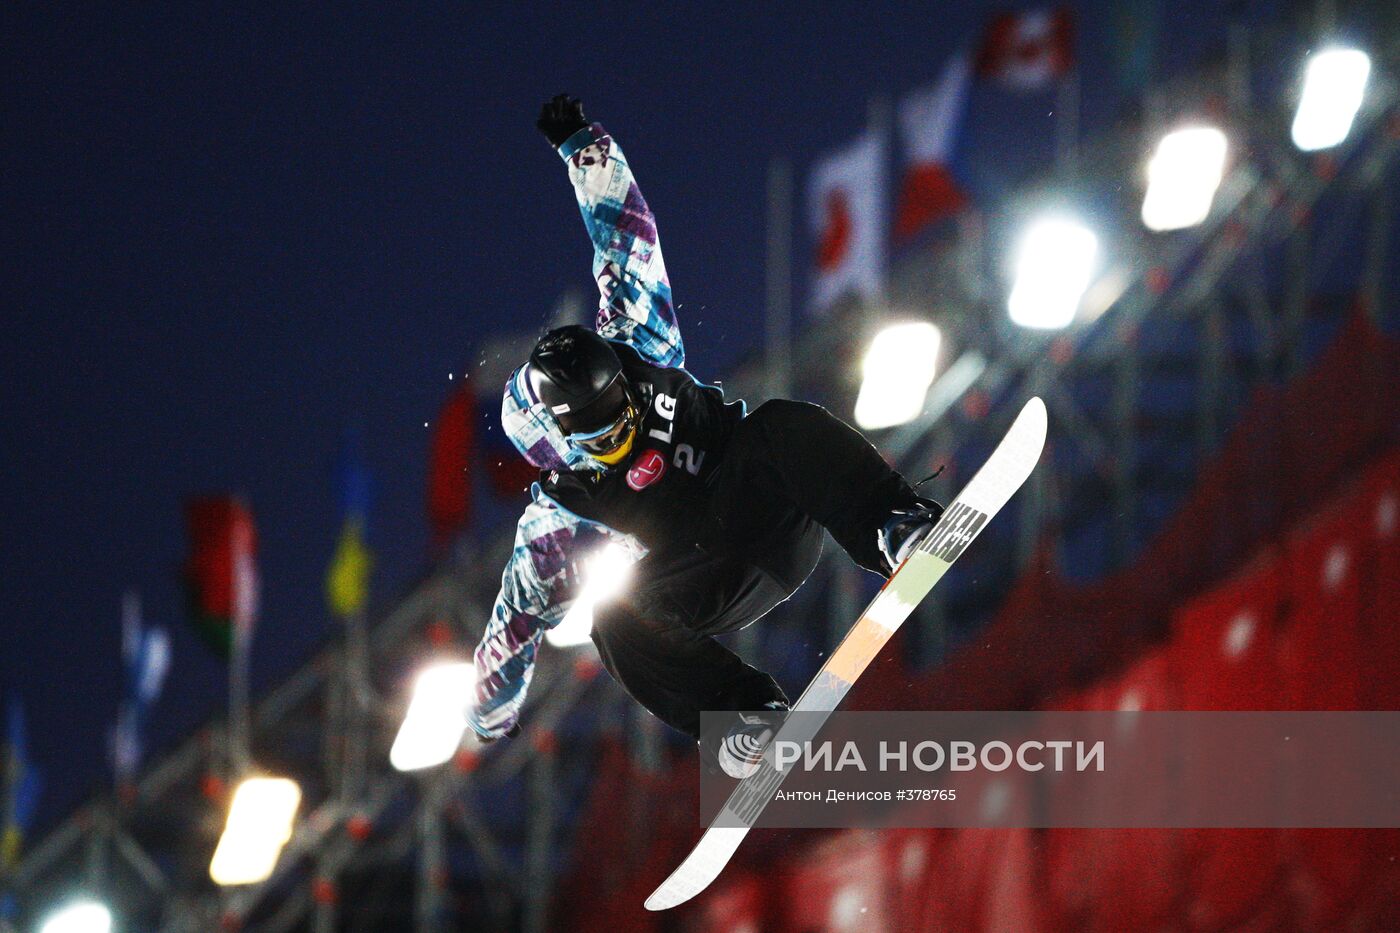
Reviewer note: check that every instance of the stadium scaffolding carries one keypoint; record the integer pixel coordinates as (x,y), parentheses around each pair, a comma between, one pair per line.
(1242,284)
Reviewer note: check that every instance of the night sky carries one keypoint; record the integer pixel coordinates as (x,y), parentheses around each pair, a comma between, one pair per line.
(227,235)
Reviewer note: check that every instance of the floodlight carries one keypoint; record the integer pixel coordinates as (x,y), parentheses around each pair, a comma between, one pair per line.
(79,917)
(436,718)
(1333,87)
(260,821)
(1182,178)
(899,367)
(1054,263)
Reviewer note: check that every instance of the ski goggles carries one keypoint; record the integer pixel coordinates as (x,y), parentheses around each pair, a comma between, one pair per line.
(611,442)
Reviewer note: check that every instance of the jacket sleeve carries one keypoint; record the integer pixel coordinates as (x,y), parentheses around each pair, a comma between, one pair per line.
(540,584)
(636,305)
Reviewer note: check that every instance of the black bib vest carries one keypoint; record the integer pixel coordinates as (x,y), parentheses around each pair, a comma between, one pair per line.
(659,494)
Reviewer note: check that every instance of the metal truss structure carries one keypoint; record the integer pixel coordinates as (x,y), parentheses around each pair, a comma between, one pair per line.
(375,849)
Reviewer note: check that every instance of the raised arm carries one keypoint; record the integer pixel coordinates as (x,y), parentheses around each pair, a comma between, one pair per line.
(539,586)
(636,305)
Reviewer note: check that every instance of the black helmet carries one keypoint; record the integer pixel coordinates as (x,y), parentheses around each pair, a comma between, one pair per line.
(576,375)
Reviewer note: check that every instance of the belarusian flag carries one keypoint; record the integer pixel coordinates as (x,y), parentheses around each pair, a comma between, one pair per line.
(221,577)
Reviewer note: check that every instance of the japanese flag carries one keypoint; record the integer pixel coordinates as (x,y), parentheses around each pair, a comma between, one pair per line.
(846,212)
(928,124)
(1029,50)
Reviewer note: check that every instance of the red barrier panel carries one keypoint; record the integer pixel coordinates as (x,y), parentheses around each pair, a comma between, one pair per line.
(838,886)
(610,845)
(1320,657)
(1342,412)
(736,905)
(1379,574)
(1224,642)
(988,879)
(1118,879)
(633,831)
(911,858)
(1379,906)
(1330,633)
(1319,654)
(1224,655)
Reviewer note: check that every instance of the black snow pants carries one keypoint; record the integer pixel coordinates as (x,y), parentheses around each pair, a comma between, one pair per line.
(790,469)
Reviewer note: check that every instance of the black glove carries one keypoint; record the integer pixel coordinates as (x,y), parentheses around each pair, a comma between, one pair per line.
(561,117)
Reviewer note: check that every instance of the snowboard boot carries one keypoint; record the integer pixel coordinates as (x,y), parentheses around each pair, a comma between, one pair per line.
(741,751)
(905,529)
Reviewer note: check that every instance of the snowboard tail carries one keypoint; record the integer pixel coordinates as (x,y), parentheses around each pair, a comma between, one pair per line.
(990,489)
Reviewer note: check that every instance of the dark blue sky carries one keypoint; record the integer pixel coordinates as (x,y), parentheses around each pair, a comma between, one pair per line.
(228,233)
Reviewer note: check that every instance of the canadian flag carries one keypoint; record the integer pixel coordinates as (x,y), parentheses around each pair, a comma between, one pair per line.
(846,210)
(928,124)
(1027,51)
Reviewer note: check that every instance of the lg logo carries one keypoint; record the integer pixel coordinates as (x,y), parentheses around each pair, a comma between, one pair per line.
(666,408)
(649,467)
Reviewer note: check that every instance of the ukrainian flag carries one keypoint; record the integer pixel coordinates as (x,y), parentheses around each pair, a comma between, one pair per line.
(20,788)
(347,578)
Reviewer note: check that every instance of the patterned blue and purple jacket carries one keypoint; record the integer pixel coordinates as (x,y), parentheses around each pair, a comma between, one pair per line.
(541,580)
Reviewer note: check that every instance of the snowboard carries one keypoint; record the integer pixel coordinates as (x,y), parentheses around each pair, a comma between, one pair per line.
(998,479)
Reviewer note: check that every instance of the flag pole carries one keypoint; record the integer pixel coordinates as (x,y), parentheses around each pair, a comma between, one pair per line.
(9,795)
(239,754)
(359,700)
(240,656)
(131,645)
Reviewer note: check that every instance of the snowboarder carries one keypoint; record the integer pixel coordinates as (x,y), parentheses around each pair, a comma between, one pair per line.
(722,508)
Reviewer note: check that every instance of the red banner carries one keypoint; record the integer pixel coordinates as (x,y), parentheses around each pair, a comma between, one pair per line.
(449,461)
